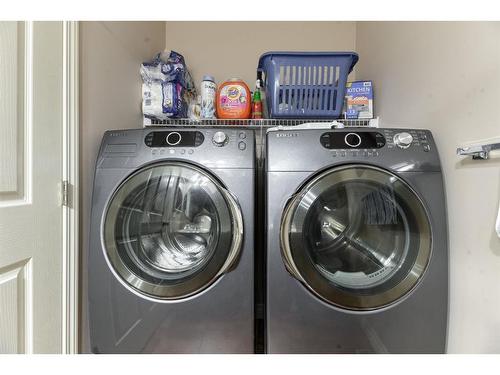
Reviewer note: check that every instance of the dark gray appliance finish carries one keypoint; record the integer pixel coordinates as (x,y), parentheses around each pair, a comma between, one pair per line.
(166,274)
(357,251)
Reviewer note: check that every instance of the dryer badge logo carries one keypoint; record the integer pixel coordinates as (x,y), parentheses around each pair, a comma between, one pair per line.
(286,135)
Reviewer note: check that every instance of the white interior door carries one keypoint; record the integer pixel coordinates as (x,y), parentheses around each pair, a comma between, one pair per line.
(31,156)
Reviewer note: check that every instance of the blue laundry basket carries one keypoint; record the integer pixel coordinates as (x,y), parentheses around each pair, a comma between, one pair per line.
(305,84)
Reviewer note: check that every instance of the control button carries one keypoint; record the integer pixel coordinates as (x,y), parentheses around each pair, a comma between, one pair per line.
(190,152)
(342,153)
(242,146)
(352,139)
(334,153)
(243,135)
(173,138)
(162,151)
(198,139)
(380,140)
(155,151)
(149,140)
(427,148)
(375,153)
(325,140)
(183,152)
(423,137)
(220,139)
(365,153)
(403,140)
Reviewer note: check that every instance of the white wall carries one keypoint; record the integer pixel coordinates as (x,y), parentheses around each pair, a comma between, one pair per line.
(232,49)
(446,77)
(110,98)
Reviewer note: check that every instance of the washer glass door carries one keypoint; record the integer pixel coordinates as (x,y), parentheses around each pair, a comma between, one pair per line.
(356,236)
(171,230)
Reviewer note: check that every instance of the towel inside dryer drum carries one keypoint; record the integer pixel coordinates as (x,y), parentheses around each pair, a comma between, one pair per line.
(379,207)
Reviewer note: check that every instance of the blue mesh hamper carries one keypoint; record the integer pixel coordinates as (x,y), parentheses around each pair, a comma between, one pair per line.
(305,84)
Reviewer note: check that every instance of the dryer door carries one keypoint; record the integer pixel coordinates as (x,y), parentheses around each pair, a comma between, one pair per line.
(356,236)
(170,231)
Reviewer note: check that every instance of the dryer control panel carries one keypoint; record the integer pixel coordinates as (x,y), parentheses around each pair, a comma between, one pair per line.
(412,139)
(310,149)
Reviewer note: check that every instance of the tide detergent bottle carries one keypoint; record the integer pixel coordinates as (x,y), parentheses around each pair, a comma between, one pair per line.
(234,100)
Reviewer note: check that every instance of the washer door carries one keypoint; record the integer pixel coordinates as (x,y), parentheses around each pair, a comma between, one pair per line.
(356,236)
(171,230)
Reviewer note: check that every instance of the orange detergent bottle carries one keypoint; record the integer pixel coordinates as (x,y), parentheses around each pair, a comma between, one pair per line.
(234,100)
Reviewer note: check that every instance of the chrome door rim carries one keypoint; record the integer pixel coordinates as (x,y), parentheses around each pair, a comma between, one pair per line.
(192,287)
(315,283)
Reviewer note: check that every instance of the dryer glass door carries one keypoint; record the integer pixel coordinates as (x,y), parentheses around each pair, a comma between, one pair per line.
(357,236)
(171,230)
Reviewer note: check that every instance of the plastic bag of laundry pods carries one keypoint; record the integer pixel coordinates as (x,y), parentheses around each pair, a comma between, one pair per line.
(167,86)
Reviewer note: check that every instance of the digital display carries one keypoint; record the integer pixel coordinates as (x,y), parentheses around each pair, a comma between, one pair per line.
(352,140)
(174,139)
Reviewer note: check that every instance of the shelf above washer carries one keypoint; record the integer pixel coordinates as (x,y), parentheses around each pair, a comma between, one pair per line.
(262,123)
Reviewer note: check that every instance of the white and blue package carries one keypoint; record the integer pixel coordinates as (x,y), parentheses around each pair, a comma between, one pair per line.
(162,100)
(167,86)
(358,102)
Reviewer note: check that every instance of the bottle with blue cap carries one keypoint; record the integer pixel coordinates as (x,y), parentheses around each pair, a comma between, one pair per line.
(208,92)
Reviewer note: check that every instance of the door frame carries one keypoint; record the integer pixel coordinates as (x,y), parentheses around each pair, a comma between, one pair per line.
(70,187)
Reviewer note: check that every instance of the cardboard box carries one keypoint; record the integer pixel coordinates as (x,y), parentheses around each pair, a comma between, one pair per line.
(358,103)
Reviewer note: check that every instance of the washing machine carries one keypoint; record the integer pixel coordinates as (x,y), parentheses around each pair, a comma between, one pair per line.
(357,251)
(170,267)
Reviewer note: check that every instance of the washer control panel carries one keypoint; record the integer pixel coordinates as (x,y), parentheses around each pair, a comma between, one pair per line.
(174,139)
(345,140)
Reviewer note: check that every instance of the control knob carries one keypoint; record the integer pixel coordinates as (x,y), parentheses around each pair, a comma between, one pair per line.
(403,140)
(220,139)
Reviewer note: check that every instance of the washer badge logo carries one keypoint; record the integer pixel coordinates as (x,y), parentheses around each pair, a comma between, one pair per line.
(116,134)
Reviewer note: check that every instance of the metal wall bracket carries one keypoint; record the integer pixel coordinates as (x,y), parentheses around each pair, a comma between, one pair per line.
(479,151)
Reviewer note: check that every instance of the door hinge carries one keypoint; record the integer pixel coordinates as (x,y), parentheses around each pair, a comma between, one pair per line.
(65,198)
